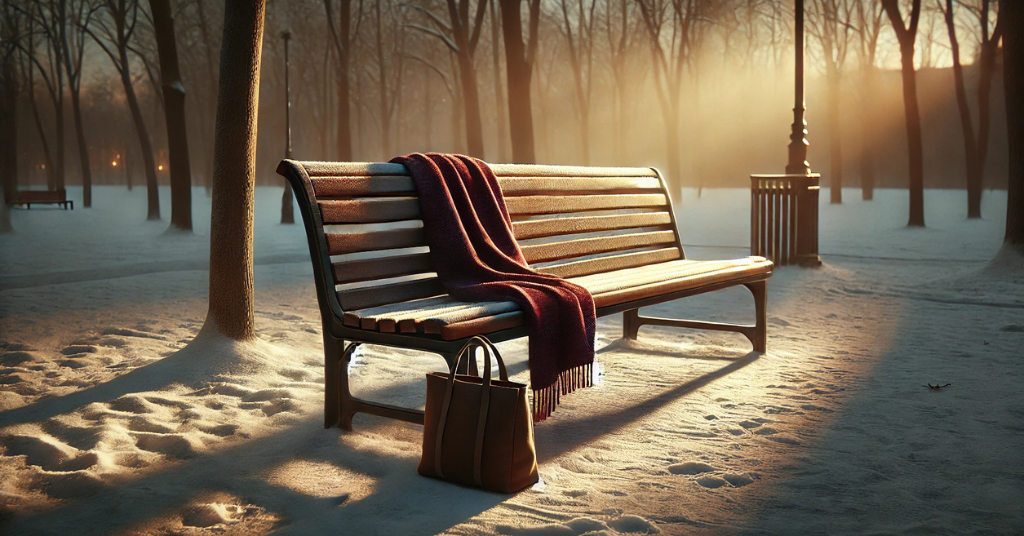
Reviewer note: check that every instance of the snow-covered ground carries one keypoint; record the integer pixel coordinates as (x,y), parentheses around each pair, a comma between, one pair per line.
(109,424)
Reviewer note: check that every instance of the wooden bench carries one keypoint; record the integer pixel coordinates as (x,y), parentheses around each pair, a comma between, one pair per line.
(28,197)
(611,230)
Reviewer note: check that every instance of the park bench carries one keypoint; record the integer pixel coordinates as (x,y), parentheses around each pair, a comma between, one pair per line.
(28,197)
(611,230)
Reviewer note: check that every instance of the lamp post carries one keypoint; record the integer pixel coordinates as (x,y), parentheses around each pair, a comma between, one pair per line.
(784,208)
(287,208)
(798,138)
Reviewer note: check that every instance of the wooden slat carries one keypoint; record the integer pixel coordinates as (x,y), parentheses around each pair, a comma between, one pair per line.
(363,186)
(381,267)
(351,169)
(370,210)
(395,292)
(615,262)
(542,204)
(585,224)
(511,186)
(600,244)
(341,243)
(536,170)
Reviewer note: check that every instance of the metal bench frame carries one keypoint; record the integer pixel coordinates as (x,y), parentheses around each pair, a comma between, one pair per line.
(341,340)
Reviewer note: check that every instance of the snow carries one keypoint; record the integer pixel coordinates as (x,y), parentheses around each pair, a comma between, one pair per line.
(119,413)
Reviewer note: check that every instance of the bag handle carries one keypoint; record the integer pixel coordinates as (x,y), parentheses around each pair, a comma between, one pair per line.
(488,347)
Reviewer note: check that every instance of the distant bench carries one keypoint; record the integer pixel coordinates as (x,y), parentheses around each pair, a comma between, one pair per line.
(611,230)
(28,197)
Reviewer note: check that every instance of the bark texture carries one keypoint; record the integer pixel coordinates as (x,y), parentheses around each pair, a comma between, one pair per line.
(234,177)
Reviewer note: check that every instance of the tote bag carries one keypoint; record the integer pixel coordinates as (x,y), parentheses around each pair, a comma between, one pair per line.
(478,431)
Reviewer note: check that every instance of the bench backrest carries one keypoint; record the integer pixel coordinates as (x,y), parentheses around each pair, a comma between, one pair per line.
(368,244)
(41,196)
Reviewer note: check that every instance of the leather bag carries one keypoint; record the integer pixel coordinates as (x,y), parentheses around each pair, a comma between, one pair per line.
(478,431)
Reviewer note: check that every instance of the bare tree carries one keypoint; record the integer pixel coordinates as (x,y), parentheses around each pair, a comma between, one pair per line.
(619,26)
(1012,13)
(975,145)
(868,27)
(234,179)
(519,60)
(460,34)
(174,112)
(79,17)
(27,64)
(577,25)
(501,124)
(10,21)
(672,29)
(389,81)
(343,37)
(830,22)
(906,34)
(113,33)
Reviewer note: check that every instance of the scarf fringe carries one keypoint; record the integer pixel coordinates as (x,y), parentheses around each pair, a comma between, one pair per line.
(546,400)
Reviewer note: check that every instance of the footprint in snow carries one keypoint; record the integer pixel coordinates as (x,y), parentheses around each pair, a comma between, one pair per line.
(690,468)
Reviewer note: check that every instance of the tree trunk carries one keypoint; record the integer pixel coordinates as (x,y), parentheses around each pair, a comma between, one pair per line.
(234,179)
(675,167)
(8,127)
(966,124)
(1013,69)
(835,147)
(174,113)
(866,156)
(344,125)
(5,216)
(152,195)
(914,145)
(210,102)
(83,149)
(986,71)
(499,95)
(519,73)
(47,160)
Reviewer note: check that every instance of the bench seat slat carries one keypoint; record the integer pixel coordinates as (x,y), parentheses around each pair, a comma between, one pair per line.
(381,268)
(369,210)
(543,204)
(585,224)
(453,319)
(341,243)
(634,285)
(613,262)
(600,244)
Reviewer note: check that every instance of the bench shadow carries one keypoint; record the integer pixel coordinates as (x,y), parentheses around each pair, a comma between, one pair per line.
(565,435)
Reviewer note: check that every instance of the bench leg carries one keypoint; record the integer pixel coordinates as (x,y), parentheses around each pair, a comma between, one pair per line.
(630,324)
(347,405)
(332,380)
(760,335)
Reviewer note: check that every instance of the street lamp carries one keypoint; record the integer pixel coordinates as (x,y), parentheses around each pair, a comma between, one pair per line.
(784,208)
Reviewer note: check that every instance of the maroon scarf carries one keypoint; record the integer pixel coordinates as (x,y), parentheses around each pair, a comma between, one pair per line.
(477,258)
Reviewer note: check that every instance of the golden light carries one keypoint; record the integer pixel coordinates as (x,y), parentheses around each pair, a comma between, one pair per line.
(160,167)
(114,163)
(42,166)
